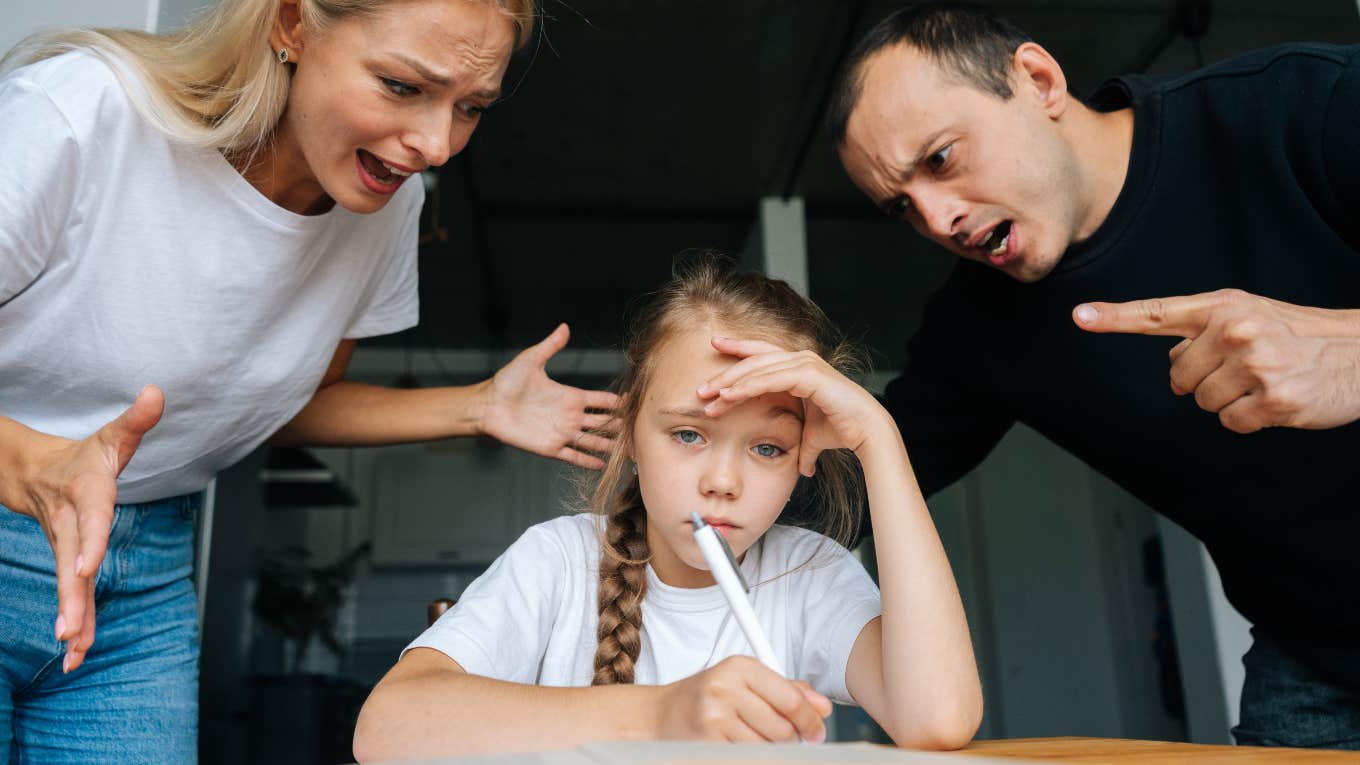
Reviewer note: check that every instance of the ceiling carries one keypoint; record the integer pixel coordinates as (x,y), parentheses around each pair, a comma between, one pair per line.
(637,130)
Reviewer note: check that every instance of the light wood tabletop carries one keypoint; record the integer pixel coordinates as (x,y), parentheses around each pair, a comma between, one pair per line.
(1131,752)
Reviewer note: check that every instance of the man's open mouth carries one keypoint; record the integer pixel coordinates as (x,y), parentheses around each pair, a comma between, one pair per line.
(995,243)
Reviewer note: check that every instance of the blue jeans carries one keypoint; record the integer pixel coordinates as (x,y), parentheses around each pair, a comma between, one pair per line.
(1286,702)
(135,698)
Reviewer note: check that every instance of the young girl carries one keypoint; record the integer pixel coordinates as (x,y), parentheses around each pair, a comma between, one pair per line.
(607,625)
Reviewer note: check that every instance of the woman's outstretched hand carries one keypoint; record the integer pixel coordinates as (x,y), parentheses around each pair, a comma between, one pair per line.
(840,414)
(527,409)
(71,492)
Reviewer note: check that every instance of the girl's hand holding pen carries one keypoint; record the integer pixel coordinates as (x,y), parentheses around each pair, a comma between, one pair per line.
(840,414)
(740,699)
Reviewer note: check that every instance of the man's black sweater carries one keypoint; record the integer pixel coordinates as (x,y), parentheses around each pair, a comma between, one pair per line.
(1245,174)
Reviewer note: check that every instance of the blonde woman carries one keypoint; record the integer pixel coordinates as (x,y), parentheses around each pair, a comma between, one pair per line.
(201,225)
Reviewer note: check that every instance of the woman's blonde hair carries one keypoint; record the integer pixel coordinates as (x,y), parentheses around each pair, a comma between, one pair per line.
(216,83)
(705,290)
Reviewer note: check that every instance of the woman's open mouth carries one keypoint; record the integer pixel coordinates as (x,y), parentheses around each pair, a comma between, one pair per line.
(378,176)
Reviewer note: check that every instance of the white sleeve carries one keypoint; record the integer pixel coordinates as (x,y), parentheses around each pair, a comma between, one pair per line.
(840,600)
(394,303)
(38,182)
(500,626)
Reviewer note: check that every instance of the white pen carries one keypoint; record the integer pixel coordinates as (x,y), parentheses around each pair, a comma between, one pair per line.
(724,568)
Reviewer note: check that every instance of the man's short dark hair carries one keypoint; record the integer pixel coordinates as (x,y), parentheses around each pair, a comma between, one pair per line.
(967,41)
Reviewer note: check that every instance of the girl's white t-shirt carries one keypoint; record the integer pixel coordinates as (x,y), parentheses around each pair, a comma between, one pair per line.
(128,259)
(531,618)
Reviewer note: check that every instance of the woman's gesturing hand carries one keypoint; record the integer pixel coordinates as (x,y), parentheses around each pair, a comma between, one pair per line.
(71,491)
(527,409)
(840,414)
(740,699)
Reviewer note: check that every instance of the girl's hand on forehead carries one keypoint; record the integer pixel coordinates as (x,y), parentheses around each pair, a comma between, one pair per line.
(839,414)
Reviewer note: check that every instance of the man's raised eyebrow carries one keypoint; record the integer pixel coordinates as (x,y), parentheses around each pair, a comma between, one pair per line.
(887,206)
(922,153)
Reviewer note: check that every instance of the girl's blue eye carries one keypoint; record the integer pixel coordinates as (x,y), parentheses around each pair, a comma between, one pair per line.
(769,450)
(687,437)
(398,87)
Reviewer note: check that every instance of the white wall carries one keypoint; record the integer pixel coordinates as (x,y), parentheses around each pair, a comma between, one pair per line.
(1048,557)
(1232,637)
(19,19)
(1211,637)
(174,13)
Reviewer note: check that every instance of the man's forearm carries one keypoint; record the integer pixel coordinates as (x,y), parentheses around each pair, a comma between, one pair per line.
(348,413)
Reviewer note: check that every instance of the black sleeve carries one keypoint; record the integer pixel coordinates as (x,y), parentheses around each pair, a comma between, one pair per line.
(947,431)
(948,420)
(1341,158)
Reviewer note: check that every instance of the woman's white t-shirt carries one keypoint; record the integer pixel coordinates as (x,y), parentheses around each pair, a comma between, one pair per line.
(128,259)
(531,618)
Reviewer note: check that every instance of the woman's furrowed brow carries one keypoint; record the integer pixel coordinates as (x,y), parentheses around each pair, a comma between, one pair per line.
(438,78)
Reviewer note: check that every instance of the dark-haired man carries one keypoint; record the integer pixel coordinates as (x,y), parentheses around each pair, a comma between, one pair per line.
(1242,175)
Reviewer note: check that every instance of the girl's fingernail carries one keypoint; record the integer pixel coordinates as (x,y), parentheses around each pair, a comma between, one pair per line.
(61,626)
(66,664)
(80,563)
(708,408)
(819,736)
(719,337)
(700,390)
(724,391)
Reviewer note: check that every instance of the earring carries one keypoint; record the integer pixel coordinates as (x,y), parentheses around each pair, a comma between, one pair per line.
(634,468)
(283,55)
